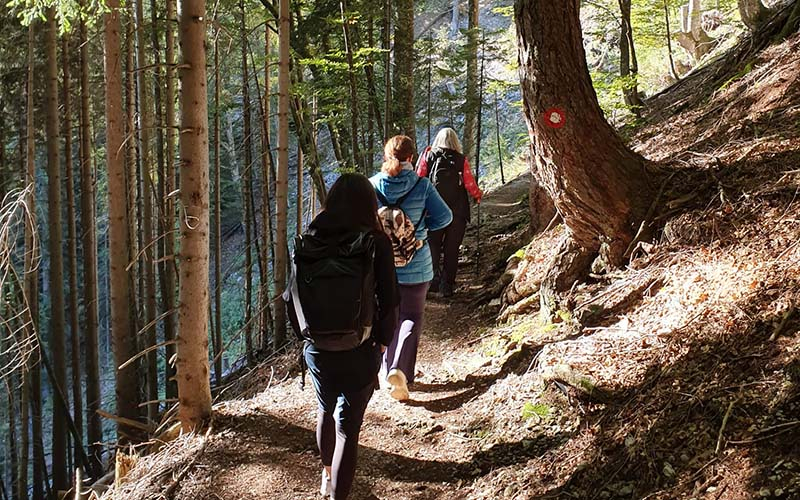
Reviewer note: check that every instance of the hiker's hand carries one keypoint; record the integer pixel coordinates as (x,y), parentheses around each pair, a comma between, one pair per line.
(383,348)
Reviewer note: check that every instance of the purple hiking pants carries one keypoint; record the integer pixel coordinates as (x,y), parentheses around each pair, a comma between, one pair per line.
(402,352)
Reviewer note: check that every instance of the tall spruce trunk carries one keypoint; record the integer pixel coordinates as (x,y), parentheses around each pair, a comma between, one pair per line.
(132,178)
(94,426)
(194,390)
(170,277)
(600,187)
(58,345)
(217,223)
(149,256)
(247,216)
(267,167)
(32,281)
(122,333)
(72,237)
(471,104)
(282,179)
(404,112)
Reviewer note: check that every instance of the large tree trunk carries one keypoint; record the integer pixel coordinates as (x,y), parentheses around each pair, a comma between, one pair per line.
(58,345)
(628,66)
(282,180)
(471,103)
(74,329)
(404,112)
(149,256)
(170,277)
(89,242)
(122,333)
(32,281)
(753,13)
(194,389)
(599,186)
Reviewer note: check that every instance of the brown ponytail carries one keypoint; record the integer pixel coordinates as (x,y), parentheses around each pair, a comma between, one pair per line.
(398,149)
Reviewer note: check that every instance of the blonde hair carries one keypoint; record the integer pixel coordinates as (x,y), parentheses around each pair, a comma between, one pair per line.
(398,149)
(447,139)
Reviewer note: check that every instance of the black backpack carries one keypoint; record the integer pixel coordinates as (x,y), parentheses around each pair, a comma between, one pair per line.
(333,288)
(446,172)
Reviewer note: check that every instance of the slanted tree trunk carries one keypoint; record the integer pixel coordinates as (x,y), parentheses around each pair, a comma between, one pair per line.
(282,180)
(89,243)
(170,278)
(471,104)
(148,259)
(753,13)
(404,112)
(194,390)
(247,216)
(692,36)
(74,328)
(122,333)
(628,65)
(58,345)
(599,186)
(32,281)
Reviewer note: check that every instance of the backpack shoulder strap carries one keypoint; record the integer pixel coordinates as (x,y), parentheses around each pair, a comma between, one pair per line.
(382,198)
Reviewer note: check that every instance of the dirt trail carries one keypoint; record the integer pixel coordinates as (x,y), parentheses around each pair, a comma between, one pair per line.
(264,447)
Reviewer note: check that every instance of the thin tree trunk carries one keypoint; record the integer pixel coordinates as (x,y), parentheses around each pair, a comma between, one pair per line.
(89,242)
(354,118)
(499,146)
(149,256)
(267,166)
(12,427)
(32,282)
(299,201)
(428,92)
(282,180)
(628,67)
(194,389)
(123,335)
(58,345)
(471,102)
(132,176)
(404,112)
(170,325)
(601,187)
(75,344)
(386,29)
(247,216)
(217,223)
(672,69)
(454,20)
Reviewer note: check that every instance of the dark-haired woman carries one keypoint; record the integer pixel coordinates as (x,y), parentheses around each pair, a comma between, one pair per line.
(429,212)
(345,380)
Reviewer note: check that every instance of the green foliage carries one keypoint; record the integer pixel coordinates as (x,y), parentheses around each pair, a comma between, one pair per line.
(538,410)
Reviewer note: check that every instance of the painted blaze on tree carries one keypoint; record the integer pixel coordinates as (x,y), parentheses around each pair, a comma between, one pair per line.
(600,187)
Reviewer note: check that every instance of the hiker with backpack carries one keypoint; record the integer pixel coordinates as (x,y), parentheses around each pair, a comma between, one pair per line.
(449,171)
(343,303)
(410,207)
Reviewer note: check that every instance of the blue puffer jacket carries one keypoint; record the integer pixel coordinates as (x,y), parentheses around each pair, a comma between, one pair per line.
(438,216)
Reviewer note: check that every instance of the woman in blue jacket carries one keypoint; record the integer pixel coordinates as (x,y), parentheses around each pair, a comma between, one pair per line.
(397,179)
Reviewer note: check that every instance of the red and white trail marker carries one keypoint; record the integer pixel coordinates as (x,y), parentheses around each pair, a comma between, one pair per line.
(555,117)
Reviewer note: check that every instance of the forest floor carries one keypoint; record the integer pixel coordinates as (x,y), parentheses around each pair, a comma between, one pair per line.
(675,377)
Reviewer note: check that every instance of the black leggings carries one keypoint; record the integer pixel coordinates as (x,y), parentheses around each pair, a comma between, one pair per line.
(447,241)
(340,411)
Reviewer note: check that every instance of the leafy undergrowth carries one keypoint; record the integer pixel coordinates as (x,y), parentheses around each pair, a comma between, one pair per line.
(675,377)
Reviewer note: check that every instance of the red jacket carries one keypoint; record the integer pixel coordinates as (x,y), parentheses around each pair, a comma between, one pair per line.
(469,181)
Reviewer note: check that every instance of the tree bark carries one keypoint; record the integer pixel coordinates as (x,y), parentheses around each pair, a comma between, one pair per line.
(170,278)
(75,342)
(32,281)
(267,253)
(753,13)
(122,334)
(89,243)
(247,215)
(404,112)
(599,186)
(148,259)
(628,67)
(282,180)
(471,104)
(194,389)
(132,177)
(672,70)
(357,160)
(217,222)
(58,345)
(386,39)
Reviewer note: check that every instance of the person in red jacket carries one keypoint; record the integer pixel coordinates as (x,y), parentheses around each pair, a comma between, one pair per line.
(448,169)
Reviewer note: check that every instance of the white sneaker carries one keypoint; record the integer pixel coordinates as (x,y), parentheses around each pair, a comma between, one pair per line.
(399,389)
(325,487)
